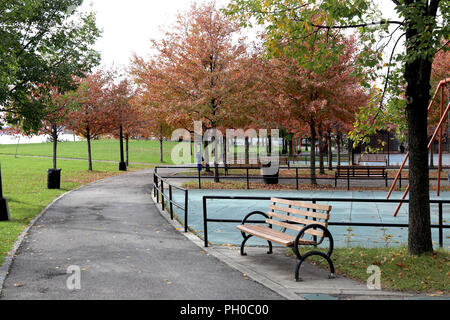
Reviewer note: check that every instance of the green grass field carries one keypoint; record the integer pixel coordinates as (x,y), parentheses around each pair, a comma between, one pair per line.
(141,151)
(25,187)
(108,150)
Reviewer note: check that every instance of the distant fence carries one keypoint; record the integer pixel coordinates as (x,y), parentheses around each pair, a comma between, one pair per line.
(199,177)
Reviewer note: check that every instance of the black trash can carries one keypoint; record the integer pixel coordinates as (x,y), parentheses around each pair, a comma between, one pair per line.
(54,178)
(122,166)
(268,175)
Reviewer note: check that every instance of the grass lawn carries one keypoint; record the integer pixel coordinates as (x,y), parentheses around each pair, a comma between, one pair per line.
(109,150)
(399,270)
(24,185)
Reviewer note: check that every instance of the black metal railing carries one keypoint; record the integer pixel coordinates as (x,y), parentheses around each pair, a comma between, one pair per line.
(248,177)
(159,191)
(441,226)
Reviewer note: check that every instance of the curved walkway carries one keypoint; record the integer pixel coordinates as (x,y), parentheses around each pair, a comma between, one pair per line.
(112,231)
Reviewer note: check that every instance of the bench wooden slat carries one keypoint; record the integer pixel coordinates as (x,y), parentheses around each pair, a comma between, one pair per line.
(302,204)
(312,214)
(295,227)
(295,219)
(269,234)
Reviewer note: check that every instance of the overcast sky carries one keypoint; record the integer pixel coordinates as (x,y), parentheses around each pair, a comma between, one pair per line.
(128,25)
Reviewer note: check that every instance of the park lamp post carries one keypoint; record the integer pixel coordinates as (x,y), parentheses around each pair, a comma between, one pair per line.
(122,164)
(4,209)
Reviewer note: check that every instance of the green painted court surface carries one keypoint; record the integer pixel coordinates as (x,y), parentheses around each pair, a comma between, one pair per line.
(344,236)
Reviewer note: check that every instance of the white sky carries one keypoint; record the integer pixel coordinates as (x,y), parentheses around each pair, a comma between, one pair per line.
(128,25)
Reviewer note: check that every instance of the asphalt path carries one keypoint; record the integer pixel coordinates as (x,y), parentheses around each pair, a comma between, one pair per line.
(111,235)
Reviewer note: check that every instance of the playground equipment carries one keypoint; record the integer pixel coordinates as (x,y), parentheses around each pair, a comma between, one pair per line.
(439,130)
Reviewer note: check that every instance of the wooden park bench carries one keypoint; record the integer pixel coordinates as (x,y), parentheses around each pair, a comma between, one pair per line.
(365,157)
(309,221)
(360,172)
(243,165)
(283,161)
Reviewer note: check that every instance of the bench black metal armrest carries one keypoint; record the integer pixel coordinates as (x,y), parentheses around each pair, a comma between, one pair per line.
(253,214)
(326,234)
(244,221)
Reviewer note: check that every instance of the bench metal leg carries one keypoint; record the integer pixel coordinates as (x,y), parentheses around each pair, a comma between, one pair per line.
(314,253)
(245,241)
(243,244)
(305,256)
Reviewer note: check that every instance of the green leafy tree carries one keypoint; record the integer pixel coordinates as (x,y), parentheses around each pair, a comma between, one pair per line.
(43,44)
(421,24)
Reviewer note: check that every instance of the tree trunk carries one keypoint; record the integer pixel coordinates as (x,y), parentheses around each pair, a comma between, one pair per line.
(330,153)
(291,148)
(313,154)
(269,145)
(88,137)
(216,156)
(127,149)
(161,150)
(321,152)
(417,75)
(338,142)
(247,151)
(206,156)
(225,150)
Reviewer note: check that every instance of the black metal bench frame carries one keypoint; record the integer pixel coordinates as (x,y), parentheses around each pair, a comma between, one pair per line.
(360,173)
(298,239)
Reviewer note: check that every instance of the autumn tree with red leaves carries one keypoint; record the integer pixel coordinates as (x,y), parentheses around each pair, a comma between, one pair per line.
(89,116)
(58,106)
(312,99)
(198,72)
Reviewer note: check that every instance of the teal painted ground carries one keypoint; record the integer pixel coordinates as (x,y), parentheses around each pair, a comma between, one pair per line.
(226,233)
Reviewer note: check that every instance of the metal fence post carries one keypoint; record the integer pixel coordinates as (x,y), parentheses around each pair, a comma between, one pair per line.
(441,234)
(162,194)
(157,189)
(248,181)
(170,202)
(205,222)
(186,210)
(296,177)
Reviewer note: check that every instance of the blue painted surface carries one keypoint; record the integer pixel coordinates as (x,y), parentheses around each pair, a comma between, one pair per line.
(226,233)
